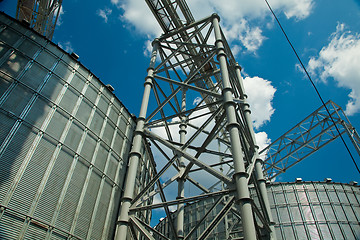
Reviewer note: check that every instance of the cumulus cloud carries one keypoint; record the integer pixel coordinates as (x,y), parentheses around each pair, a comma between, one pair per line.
(262,140)
(237,17)
(260,95)
(61,14)
(104,13)
(138,14)
(67,46)
(251,38)
(340,60)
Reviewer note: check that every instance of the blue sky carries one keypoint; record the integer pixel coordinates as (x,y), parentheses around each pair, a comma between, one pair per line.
(112,38)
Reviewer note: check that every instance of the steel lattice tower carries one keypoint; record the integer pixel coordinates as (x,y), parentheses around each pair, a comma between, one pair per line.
(195,60)
(42,15)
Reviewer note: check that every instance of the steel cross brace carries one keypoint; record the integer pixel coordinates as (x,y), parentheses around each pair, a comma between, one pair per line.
(309,134)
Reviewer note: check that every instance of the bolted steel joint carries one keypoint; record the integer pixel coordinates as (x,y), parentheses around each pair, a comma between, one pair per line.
(123,222)
(241,174)
(231,125)
(244,200)
(182,131)
(139,132)
(149,81)
(131,154)
(156,41)
(215,15)
(237,66)
(140,119)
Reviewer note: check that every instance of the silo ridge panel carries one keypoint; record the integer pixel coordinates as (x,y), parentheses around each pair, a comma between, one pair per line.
(69,204)
(86,203)
(57,124)
(34,76)
(5,82)
(14,154)
(63,71)
(46,59)
(52,88)
(69,99)
(36,231)
(78,82)
(38,112)
(84,111)
(13,225)
(88,148)
(15,64)
(97,122)
(54,186)
(10,36)
(73,137)
(32,176)
(109,131)
(102,156)
(101,212)
(18,98)
(91,94)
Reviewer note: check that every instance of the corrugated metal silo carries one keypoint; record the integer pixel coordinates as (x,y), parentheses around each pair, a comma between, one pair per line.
(64,141)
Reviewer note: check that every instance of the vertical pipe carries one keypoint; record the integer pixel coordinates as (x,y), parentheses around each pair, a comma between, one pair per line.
(240,175)
(181,181)
(259,163)
(135,154)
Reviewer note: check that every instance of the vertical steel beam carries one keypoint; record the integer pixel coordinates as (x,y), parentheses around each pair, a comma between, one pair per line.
(240,175)
(181,180)
(259,175)
(135,154)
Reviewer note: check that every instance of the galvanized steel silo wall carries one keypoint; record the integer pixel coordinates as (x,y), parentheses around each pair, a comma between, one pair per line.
(301,210)
(64,139)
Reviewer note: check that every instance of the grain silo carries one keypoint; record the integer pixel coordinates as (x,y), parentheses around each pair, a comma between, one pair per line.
(64,138)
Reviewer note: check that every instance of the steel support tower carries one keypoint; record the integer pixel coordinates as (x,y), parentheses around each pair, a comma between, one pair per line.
(41,15)
(209,141)
(305,138)
(192,60)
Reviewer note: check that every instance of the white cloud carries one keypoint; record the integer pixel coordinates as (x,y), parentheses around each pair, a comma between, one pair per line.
(67,46)
(251,38)
(237,17)
(137,13)
(61,13)
(340,60)
(298,9)
(148,48)
(262,140)
(104,13)
(260,95)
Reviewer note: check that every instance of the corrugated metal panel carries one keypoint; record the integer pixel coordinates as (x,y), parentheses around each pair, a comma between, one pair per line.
(69,204)
(64,143)
(53,188)
(101,211)
(32,176)
(10,225)
(12,157)
(87,207)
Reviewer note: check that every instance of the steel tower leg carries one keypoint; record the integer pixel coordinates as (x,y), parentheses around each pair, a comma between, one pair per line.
(240,175)
(259,163)
(181,180)
(135,154)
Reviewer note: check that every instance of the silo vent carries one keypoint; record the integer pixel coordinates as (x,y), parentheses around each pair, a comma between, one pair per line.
(353,183)
(111,88)
(327,180)
(74,55)
(25,23)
